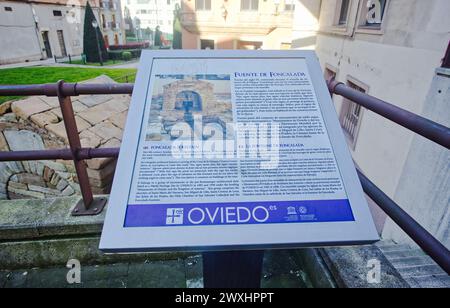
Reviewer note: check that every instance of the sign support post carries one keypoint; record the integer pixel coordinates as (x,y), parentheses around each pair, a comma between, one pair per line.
(232,269)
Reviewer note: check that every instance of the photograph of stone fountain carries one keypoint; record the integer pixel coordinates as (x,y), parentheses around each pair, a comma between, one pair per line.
(180,98)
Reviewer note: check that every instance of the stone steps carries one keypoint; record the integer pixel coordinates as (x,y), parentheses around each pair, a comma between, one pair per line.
(417,268)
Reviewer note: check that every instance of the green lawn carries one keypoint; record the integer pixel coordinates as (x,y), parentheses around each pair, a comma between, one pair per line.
(39,75)
(106,63)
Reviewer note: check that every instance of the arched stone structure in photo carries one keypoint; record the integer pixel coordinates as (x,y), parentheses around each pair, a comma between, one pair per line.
(200,92)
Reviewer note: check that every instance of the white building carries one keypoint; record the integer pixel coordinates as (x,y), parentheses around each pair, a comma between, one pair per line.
(391,49)
(153,13)
(38,29)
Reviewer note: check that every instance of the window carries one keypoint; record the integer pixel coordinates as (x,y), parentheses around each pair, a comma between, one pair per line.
(203,5)
(343,12)
(57,13)
(249,5)
(8,9)
(289,5)
(372,13)
(351,115)
(206,44)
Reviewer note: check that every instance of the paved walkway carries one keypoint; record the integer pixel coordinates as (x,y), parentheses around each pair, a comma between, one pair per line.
(279,271)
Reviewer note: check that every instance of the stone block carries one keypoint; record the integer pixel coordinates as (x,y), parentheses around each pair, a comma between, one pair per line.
(5,107)
(98,163)
(103,173)
(16,185)
(106,130)
(27,178)
(48,173)
(54,165)
(119,119)
(94,100)
(62,184)
(8,118)
(59,129)
(76,105)
(3,143)
(23,140)
(27,107)
(44,118)
(27,193)
(52,101)
(89,140)
(68,191)
(99,113)
(44,190)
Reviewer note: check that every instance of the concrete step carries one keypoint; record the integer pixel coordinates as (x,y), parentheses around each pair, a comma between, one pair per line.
(279,271)
(42,233)
(430,281)
(411,261)
(399,254)
(419,271)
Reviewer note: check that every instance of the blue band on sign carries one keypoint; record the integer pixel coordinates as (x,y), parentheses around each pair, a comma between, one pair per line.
(206,214)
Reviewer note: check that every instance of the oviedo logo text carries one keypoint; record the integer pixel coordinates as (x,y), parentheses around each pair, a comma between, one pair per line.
(217,215)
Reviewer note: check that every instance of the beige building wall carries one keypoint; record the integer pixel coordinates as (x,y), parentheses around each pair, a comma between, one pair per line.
(18,33)
(226,26)
(395,61)
(23,25)
(305,24)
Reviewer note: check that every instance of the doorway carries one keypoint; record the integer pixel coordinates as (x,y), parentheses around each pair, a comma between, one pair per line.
(62,44)
(48,49)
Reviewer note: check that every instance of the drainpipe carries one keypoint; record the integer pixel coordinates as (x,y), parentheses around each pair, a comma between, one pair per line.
(37,30)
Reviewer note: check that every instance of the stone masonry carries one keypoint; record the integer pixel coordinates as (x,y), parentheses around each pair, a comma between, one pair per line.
(35,123)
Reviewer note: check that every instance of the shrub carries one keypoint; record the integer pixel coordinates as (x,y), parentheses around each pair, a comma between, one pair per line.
(126,56)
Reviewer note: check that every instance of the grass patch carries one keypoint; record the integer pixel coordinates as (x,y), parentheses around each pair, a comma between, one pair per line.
(105,63)
(40,75)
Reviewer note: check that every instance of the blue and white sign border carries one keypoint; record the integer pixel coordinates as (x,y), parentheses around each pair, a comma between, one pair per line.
(117,237)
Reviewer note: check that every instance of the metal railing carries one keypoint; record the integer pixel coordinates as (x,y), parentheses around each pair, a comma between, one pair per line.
(92,206)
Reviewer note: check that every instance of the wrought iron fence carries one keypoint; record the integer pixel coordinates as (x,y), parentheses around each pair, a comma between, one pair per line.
(89,205)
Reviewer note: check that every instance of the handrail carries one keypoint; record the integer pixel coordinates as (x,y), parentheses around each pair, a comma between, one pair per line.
(429,129)
(420,125)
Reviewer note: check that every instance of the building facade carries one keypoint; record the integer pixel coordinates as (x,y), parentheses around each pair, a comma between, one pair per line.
(239,24)
(392,49)
(40,29)
(152,13)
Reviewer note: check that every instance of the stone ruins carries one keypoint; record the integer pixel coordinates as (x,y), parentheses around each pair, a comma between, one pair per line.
(35,123)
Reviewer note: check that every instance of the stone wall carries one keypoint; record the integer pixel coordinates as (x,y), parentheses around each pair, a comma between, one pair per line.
(203,88)
(35,123)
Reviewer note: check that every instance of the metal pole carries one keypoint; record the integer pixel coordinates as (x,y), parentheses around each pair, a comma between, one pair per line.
(232,269)
(422,237)
(420,125)
(86,206)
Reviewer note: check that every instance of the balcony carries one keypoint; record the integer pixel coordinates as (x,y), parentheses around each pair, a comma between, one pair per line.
(243,21)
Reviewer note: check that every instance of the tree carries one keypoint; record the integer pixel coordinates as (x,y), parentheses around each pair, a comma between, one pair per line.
(158,37)
(177,39)
(91,40)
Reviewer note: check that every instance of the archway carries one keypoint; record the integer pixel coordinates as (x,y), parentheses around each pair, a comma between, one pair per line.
(188,96)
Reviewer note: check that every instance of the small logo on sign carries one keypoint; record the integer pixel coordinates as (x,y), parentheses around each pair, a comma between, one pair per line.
(302,210)
(174,217)
(291,210)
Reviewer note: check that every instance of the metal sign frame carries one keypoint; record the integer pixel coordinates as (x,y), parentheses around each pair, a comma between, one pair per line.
(118,238)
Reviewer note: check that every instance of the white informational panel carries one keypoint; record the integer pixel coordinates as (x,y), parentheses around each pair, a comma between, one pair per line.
(228,150)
